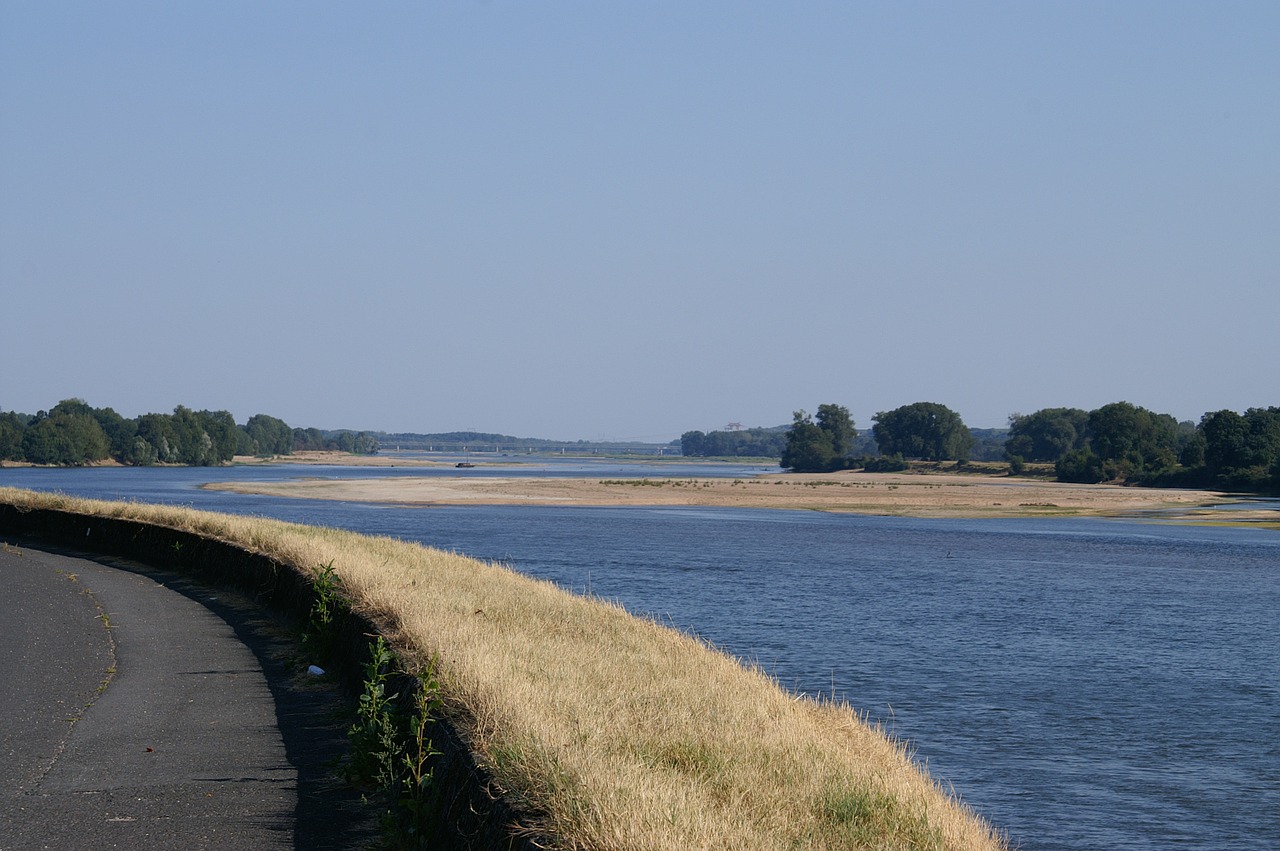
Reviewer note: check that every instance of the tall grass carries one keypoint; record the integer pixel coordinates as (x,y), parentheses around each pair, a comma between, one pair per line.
(622,733)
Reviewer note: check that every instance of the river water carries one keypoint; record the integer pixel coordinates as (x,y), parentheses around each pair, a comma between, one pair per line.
(1082,683)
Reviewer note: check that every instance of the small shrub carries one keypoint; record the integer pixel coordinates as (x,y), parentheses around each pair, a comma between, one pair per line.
(390,748)
(886,464)
(319,634)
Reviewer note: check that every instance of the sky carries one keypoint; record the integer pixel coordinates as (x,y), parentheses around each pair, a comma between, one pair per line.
(623,221)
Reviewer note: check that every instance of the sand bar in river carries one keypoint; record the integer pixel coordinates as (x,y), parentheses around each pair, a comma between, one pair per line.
(947,495)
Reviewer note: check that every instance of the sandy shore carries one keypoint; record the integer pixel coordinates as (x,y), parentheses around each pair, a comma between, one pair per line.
(855,492)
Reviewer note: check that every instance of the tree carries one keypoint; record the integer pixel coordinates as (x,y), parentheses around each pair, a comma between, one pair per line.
(822,446)
(361,443)
(12,427)
(141,454)
(838,424)
(1241,448)
(808,447)
(223,434)
(1191,452)
(923,430)
(753,442)
(1132,441)
(309,440)
(1080,465)
(1048,434)
(245,445)
(121,433)
(68,435)
(42,443)
(1225,433)
(270,436)
(194,445)
(1264,435)
(158,432)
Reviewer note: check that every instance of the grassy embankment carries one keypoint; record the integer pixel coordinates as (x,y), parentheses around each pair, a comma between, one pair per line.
(622,733)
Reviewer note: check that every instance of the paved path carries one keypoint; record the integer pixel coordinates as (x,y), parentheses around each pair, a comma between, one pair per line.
(136,715)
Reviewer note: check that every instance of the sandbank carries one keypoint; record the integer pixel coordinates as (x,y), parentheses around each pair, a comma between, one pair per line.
(915,495)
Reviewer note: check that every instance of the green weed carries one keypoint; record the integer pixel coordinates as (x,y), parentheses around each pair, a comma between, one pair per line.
(319,635)
(391,750)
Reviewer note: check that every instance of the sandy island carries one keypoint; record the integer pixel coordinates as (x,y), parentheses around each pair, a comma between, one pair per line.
(916,495)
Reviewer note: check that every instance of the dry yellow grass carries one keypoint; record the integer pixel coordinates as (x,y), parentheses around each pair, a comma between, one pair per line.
(625,734)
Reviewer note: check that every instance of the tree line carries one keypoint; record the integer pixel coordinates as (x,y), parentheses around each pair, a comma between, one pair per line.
(74,434)
(1127,443)
(984,444)
(735,443)
(829,441)
(1118,442)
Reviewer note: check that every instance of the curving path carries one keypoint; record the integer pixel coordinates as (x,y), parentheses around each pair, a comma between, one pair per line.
(137,710)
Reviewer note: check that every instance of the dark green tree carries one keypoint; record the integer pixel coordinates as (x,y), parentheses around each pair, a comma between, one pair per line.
(223,435)
(719,444)
(245,445)
(692,443)
(158,432)
(271,436)
(42,442)
(1191,450)
(752,442)
(12,426)
(1240,449)
(357,443)
(808,448)
(1132,441)
(925,430)
(120,432)
(309,440)
(1225,434)
(365,444)
(760,442)
(1264,435)
(141,454)
(821,446)
(71,407)
(1048,434)
(838,424)
(1080,465)
(68,435)
(194,445)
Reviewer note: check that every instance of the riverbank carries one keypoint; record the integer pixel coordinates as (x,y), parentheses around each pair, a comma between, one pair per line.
(928,495)
(615,732)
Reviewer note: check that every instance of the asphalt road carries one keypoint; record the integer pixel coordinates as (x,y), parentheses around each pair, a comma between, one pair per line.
(141,711)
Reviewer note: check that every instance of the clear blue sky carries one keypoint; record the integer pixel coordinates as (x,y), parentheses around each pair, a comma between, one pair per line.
(628,220)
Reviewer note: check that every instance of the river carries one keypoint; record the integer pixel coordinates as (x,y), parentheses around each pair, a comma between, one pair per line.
(1083,683)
